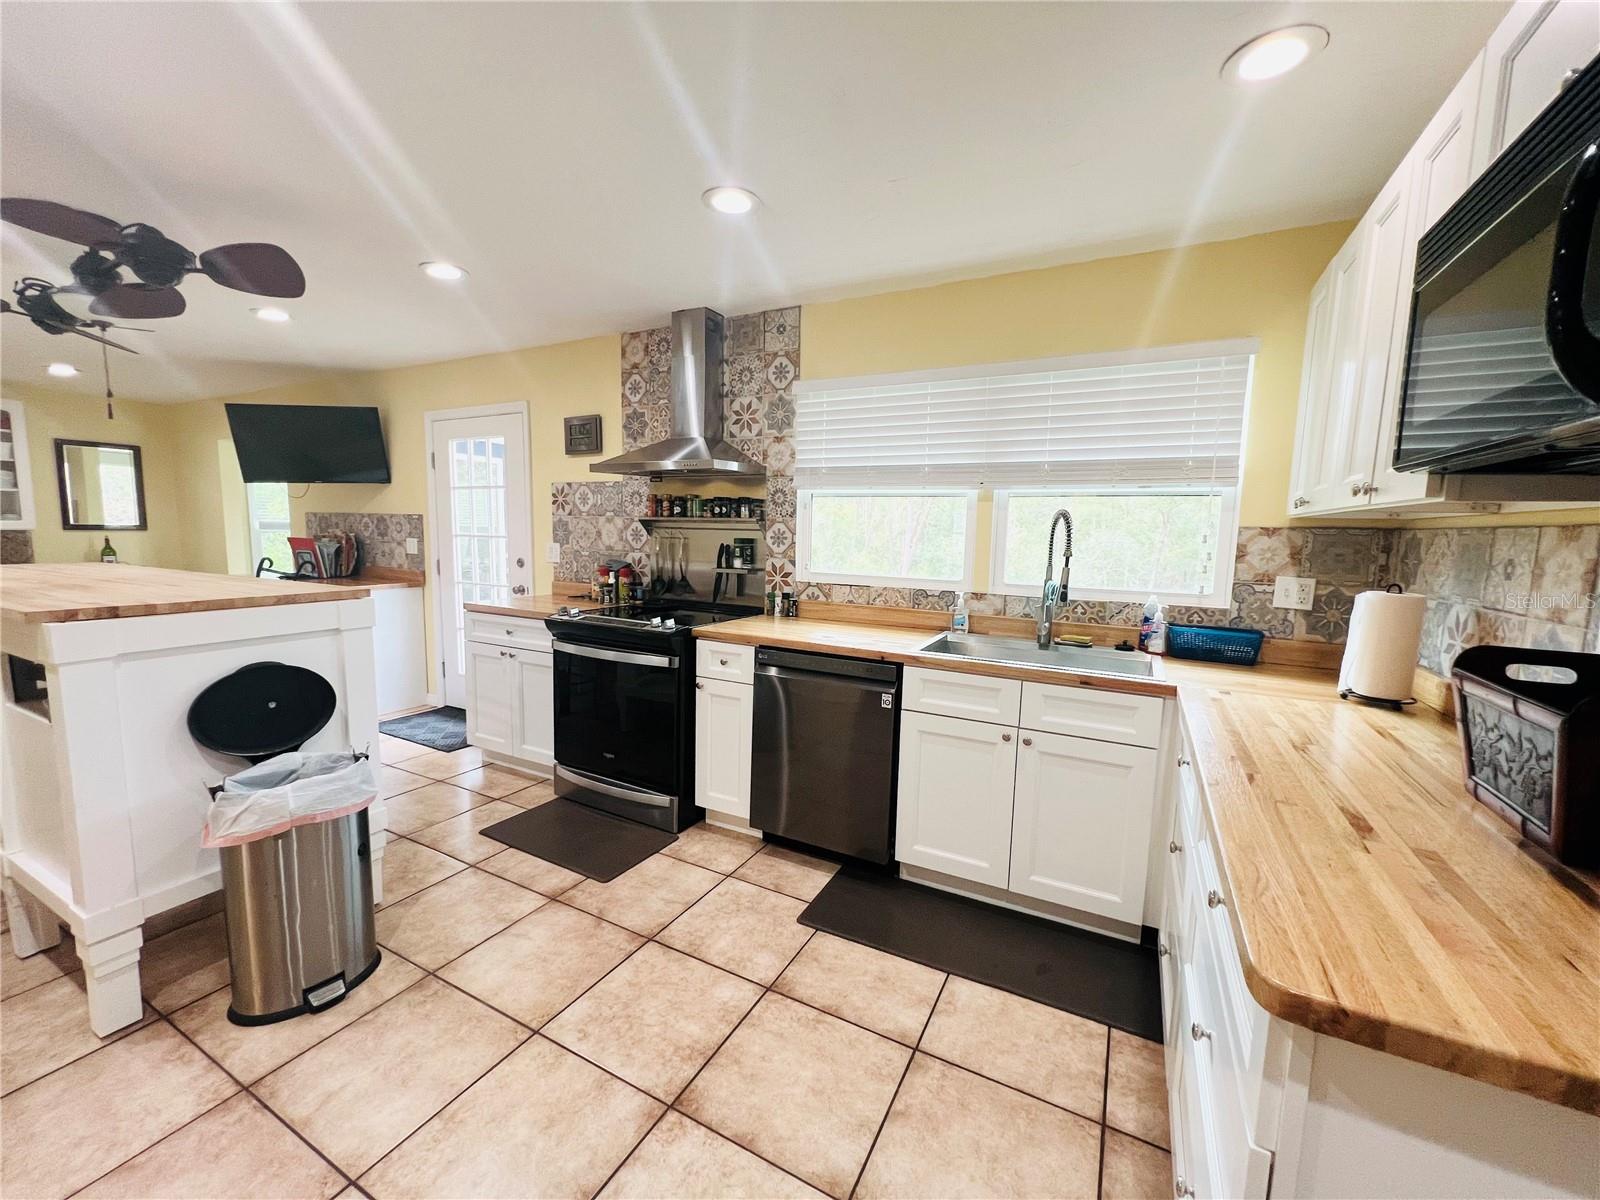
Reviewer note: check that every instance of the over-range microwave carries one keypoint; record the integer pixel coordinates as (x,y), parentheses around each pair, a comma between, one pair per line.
(1502,369)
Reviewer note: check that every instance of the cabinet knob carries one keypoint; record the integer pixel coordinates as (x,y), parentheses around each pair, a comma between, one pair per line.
(1355,489)
(722,661)
(1182,761)
(1161,950)
(1181,1188)
(508,633)
(1173,847)
(1027,741)
(699,687)
(1199,1032)
(1368,488)
(1213,899)
(1005,737)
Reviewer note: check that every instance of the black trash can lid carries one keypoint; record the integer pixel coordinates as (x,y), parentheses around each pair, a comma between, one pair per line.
(260,710)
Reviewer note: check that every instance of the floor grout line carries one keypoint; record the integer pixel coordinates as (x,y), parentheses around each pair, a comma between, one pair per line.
(1105,1111)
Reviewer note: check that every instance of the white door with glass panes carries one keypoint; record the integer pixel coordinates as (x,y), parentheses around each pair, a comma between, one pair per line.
(482,541)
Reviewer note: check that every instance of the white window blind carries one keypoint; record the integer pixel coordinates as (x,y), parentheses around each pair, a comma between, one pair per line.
(1174,415)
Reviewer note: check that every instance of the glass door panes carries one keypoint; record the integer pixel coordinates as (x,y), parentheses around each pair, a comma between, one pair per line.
(481,554)
(10,486)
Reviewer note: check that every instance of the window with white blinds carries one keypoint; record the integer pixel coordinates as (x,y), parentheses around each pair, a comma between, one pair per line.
(1166,416)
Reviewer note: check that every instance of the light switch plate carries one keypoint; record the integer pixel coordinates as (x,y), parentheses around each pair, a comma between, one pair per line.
(1293,591)
(411,545)
(552,552)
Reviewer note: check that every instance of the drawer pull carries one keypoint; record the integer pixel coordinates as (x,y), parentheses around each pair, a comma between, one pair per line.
(1199,1032)
(508,633)
(1005,737)
(1174,848)
(1213,899)
(1181,1188)
(722,661)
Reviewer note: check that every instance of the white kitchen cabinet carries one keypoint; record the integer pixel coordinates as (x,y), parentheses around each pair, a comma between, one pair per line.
(954,812)
(724,712)
(493,702)
(16,476)
(1526,61)
(536,716)
(1080,829)
(1332,373)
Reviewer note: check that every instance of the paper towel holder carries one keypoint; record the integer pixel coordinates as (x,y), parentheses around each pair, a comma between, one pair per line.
(1379,701)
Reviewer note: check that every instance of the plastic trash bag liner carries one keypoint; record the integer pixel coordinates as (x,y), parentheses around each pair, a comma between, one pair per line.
(291,789)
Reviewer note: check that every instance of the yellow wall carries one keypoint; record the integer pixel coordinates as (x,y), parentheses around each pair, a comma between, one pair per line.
(54,414)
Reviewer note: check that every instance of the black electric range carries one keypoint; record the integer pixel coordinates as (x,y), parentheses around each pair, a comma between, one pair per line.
(624,707)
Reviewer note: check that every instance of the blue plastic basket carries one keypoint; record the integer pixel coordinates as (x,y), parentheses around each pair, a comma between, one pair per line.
(1240,646)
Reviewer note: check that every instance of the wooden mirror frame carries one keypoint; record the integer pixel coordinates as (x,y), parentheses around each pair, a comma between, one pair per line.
(138,485)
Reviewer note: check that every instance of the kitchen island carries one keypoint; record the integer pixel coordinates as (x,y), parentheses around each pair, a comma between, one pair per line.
(104,790)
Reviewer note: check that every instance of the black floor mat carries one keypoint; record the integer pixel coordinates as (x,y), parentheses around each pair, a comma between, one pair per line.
(440,728)
(580,839)
(1106,980)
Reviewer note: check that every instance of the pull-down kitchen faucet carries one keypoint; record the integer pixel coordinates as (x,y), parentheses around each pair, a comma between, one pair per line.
(1054,593)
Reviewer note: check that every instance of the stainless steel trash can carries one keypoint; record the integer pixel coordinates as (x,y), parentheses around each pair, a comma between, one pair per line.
(299,914)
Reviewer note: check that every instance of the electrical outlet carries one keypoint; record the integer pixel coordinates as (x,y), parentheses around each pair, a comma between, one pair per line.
(1291,591)
(411,546)
(552,552)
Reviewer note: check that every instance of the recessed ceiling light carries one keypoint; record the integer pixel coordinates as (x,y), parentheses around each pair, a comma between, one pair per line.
(1273,54)
(448,272)
(62,370)
(276,315)
(731,200)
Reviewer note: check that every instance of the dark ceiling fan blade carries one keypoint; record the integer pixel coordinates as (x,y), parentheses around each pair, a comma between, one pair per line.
(60,221)
(258,267)
(95,337)
(138,303)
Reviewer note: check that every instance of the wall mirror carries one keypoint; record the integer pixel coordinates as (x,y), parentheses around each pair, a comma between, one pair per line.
(102,485)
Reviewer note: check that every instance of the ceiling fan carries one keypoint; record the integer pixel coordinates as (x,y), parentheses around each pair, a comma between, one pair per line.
(157,263)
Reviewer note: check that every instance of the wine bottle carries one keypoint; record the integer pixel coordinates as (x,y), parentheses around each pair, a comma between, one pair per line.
(107,553)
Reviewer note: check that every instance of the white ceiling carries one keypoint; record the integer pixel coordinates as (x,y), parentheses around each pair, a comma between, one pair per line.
(559,152)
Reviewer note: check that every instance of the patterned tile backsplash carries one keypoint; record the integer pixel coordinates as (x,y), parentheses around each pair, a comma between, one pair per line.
(380,536)
(1533,586)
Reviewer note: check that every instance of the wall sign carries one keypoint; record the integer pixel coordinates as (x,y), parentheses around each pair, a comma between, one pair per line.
(583,434)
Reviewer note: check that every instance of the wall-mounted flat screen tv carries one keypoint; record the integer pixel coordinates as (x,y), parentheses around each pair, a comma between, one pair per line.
(308,443)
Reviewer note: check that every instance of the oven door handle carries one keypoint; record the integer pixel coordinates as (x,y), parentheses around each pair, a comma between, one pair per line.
(1573,345)
(618,656)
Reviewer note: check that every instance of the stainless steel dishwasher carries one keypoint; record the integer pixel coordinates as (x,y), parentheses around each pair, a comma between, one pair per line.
(824,751)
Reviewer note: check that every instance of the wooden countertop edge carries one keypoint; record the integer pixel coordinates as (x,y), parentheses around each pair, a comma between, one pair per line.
(169,608)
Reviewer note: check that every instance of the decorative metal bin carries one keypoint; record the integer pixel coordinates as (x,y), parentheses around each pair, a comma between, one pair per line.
(1530,743)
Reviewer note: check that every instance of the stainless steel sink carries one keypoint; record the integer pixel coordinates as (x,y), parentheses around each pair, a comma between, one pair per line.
(1020,650)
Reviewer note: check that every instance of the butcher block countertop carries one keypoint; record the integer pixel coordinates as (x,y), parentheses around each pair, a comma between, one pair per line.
(534,606)
(889,643)
(1371,898)
(50,592)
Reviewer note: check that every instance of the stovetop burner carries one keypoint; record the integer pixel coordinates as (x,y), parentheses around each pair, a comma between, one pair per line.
(662,614)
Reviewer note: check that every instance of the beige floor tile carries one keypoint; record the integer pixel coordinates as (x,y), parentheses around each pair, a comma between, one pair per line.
(1136,1089)
(185,964)
(429,805)
(494,781)
(647,897)
(952,1133)
(1043,1051)
(533,796)
(890,995)
(801,1089)
(250,1051)
(680,1160)
(237,1151)
(74,1125)
(393,750)
(1133,1170)
(714,848)
(48,1027)
(542,963)
(437,764)
(741,928)
(408,867)
(531,871)
(788,871)
(656,1019)
(459,837)
(393,781)
(453,916)
(359,1094)
(542,1123)
(20,974)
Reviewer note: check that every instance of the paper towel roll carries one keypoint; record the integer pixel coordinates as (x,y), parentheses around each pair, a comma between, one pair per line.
(1380,653)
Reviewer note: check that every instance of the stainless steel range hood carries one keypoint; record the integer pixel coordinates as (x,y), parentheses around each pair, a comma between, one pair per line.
(696,448)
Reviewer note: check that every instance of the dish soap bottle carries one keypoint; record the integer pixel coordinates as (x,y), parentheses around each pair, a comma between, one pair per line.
(107,554)
(958,619)
(1147,622)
